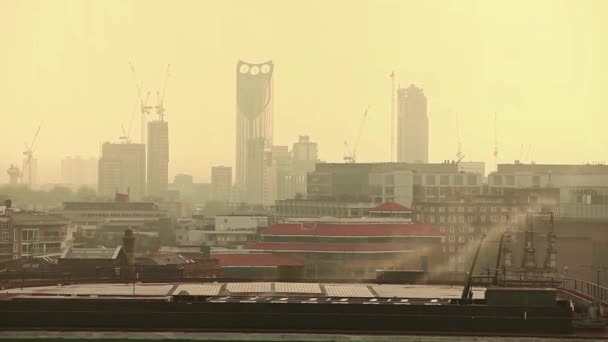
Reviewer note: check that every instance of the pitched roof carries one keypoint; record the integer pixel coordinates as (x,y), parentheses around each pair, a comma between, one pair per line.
(352,229)
(92,253)
(257,260)
(329,247)
(390,206)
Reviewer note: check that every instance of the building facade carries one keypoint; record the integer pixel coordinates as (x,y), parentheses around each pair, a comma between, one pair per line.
(412,126)
(25,233)
(158,157)
(583,188)
(254,124)
(221,183)
(388,182)
(122,168)
(78,171)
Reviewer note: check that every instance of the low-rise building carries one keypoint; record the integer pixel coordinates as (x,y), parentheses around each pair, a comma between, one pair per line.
(27,233)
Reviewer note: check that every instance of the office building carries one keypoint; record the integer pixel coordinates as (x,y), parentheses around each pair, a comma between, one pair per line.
(254,125)
(221,183)
(305,157)
(78,171)
(412,126)
(158,157)
(122,169)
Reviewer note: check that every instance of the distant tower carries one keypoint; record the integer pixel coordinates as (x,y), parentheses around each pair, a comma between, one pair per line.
(122,168)
(128,245)
(221,183)
(158,156)
(412,126)
(13,175)
(254,122)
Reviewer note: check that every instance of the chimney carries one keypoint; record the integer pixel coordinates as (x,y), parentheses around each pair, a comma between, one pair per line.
(128,244)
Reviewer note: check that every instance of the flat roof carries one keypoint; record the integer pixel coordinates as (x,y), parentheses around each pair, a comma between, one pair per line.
(363,290)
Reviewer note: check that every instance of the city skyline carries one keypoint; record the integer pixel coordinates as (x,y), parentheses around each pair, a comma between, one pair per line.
(515,68)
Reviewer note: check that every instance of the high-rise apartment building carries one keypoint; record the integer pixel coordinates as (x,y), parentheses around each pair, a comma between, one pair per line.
(78,171)
(158,157)
(254,125)
(412,126)
(122,168)
(221,183)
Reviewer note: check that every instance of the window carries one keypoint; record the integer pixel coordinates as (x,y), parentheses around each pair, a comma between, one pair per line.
(458,180)
(497,180)
(444,180)
(29,235)
(536,181)
(441,219)
(471,209)
(471,238)
(461,229)
(442,229)
(430,180)
(452,229)
(452,238)
(471,229)
(417,180)
(432,219)
(461,239)
(460,249)
(4,235)
(510,180)
(471,179)
(461,209)
(389,179)
(441,209)
(461,219)
(443,192)
(452,249)
(430,192)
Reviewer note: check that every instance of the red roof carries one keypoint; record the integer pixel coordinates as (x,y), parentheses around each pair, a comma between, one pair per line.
(329,247)
(257,259)
(390,206)
(352,229)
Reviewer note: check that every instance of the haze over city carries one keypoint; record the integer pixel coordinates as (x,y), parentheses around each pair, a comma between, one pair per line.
(65,65)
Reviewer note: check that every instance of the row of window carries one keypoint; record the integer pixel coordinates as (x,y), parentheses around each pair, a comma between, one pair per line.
(457,180)
(464,219)
(462,209)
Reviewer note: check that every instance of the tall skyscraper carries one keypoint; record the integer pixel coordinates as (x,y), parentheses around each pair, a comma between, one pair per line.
(221,183)
(78,171)
(158,157)
(305,157)
(412,126)
(122,168)
(254,125)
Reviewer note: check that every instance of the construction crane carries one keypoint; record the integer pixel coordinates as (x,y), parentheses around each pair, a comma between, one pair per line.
(29,156)
(144,108)
(495,152)
(459,153)
(160,108)
(351,155)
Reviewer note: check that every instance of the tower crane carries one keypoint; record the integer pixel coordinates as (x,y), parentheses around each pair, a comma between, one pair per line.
(459,153)
(160,109)
(144,108)
(29,155)
(351,155)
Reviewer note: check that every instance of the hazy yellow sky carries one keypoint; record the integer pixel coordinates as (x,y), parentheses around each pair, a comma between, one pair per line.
(539,64)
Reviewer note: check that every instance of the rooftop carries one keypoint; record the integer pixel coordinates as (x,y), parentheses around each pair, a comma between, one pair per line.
(109,206)
(330,247)
(352,229)
(92,253)
(26,217)
(390,207)
(256,260)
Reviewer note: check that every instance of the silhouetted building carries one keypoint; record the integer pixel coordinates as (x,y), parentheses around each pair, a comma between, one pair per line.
(221,183)
(122,168)
(254,125)
(412,126)
(158,156)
